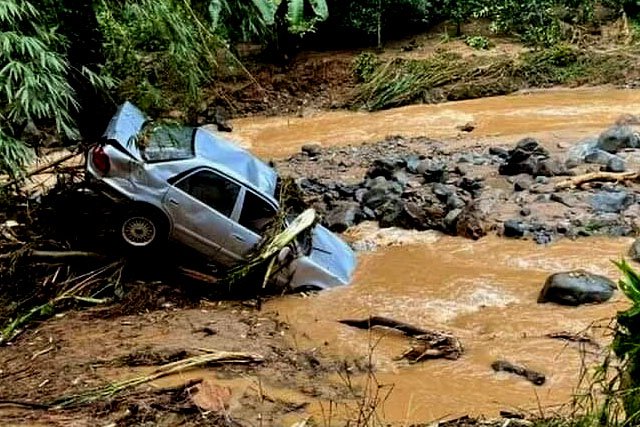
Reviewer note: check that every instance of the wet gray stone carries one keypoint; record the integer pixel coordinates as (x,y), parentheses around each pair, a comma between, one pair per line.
(342,216)
(514,228)
(616,138)
(522,182)
(451,218)
(599,157)
(380,191)
(551,167)
(433,171)
(611,201)
(576,287)
(312,150)
(615,164)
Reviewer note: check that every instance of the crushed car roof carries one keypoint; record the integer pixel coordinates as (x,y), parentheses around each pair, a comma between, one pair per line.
(129,121)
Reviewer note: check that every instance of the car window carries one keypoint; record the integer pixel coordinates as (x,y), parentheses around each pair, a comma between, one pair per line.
(211,189)
(169,143)
(256,213)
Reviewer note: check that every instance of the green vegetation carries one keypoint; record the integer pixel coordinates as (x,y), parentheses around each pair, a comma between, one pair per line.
(626,345)
(478,42)
(62,60)
(449,76)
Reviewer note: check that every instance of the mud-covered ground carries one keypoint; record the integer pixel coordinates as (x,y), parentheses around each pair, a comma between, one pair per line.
(84,350)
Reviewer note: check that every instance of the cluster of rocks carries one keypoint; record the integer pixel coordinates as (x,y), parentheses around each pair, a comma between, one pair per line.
(417,183)
(603,151)
(409,191)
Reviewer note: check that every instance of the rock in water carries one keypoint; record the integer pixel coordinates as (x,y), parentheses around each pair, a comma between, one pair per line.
(514,228)
(576,287)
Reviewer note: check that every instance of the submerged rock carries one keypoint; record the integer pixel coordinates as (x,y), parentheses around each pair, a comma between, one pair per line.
(576,287)
(535,377)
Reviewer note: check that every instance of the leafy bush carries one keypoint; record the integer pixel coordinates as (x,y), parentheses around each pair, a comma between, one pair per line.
(478,42)
(157,45)
(626,344)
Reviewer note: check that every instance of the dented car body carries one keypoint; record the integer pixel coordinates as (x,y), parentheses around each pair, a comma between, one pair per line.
(193,187)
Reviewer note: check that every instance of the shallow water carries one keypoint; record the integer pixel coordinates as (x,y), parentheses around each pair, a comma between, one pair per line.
(562,115)
(485,291)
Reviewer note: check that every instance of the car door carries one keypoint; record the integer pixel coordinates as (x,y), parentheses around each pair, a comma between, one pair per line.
(255,215)
(201,205)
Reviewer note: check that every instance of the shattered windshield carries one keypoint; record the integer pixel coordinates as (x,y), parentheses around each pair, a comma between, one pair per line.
(169,143)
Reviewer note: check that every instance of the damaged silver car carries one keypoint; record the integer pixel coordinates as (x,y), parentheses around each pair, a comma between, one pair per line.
(191,186)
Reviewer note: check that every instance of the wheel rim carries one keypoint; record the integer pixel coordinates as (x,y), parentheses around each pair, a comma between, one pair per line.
(138,231)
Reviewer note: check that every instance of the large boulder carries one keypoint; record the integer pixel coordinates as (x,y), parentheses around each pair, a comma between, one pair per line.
(342,216)
(524,158)
(576,287)
(618,137)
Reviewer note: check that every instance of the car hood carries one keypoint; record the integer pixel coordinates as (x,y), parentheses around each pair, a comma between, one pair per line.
(332,254)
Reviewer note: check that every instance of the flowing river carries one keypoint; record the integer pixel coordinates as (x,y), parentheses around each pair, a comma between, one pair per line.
(482,291)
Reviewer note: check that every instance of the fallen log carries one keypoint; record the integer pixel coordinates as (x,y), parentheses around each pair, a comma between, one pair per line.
(536,378)
(55,255)
(373,321)
(177,367)
(579,180)
(426,344)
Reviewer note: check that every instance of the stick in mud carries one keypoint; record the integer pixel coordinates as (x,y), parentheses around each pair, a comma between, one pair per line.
(597,176)
(536,378)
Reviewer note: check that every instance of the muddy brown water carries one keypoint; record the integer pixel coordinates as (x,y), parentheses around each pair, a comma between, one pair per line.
(484,292)
(552,115)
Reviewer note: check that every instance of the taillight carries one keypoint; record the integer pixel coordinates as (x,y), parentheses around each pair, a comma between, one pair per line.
(100,160)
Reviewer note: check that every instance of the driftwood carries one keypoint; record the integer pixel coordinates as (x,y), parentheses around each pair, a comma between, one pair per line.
(55,256)
(535,377)
(577,181)
(426,344)
(571,337)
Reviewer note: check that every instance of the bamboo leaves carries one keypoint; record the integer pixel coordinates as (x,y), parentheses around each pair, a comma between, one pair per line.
(33,82)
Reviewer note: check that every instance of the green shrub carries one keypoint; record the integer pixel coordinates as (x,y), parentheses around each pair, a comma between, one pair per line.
(478,42)
(153,46)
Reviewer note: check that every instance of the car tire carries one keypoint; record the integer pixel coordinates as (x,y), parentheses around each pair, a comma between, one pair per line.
(141,229)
